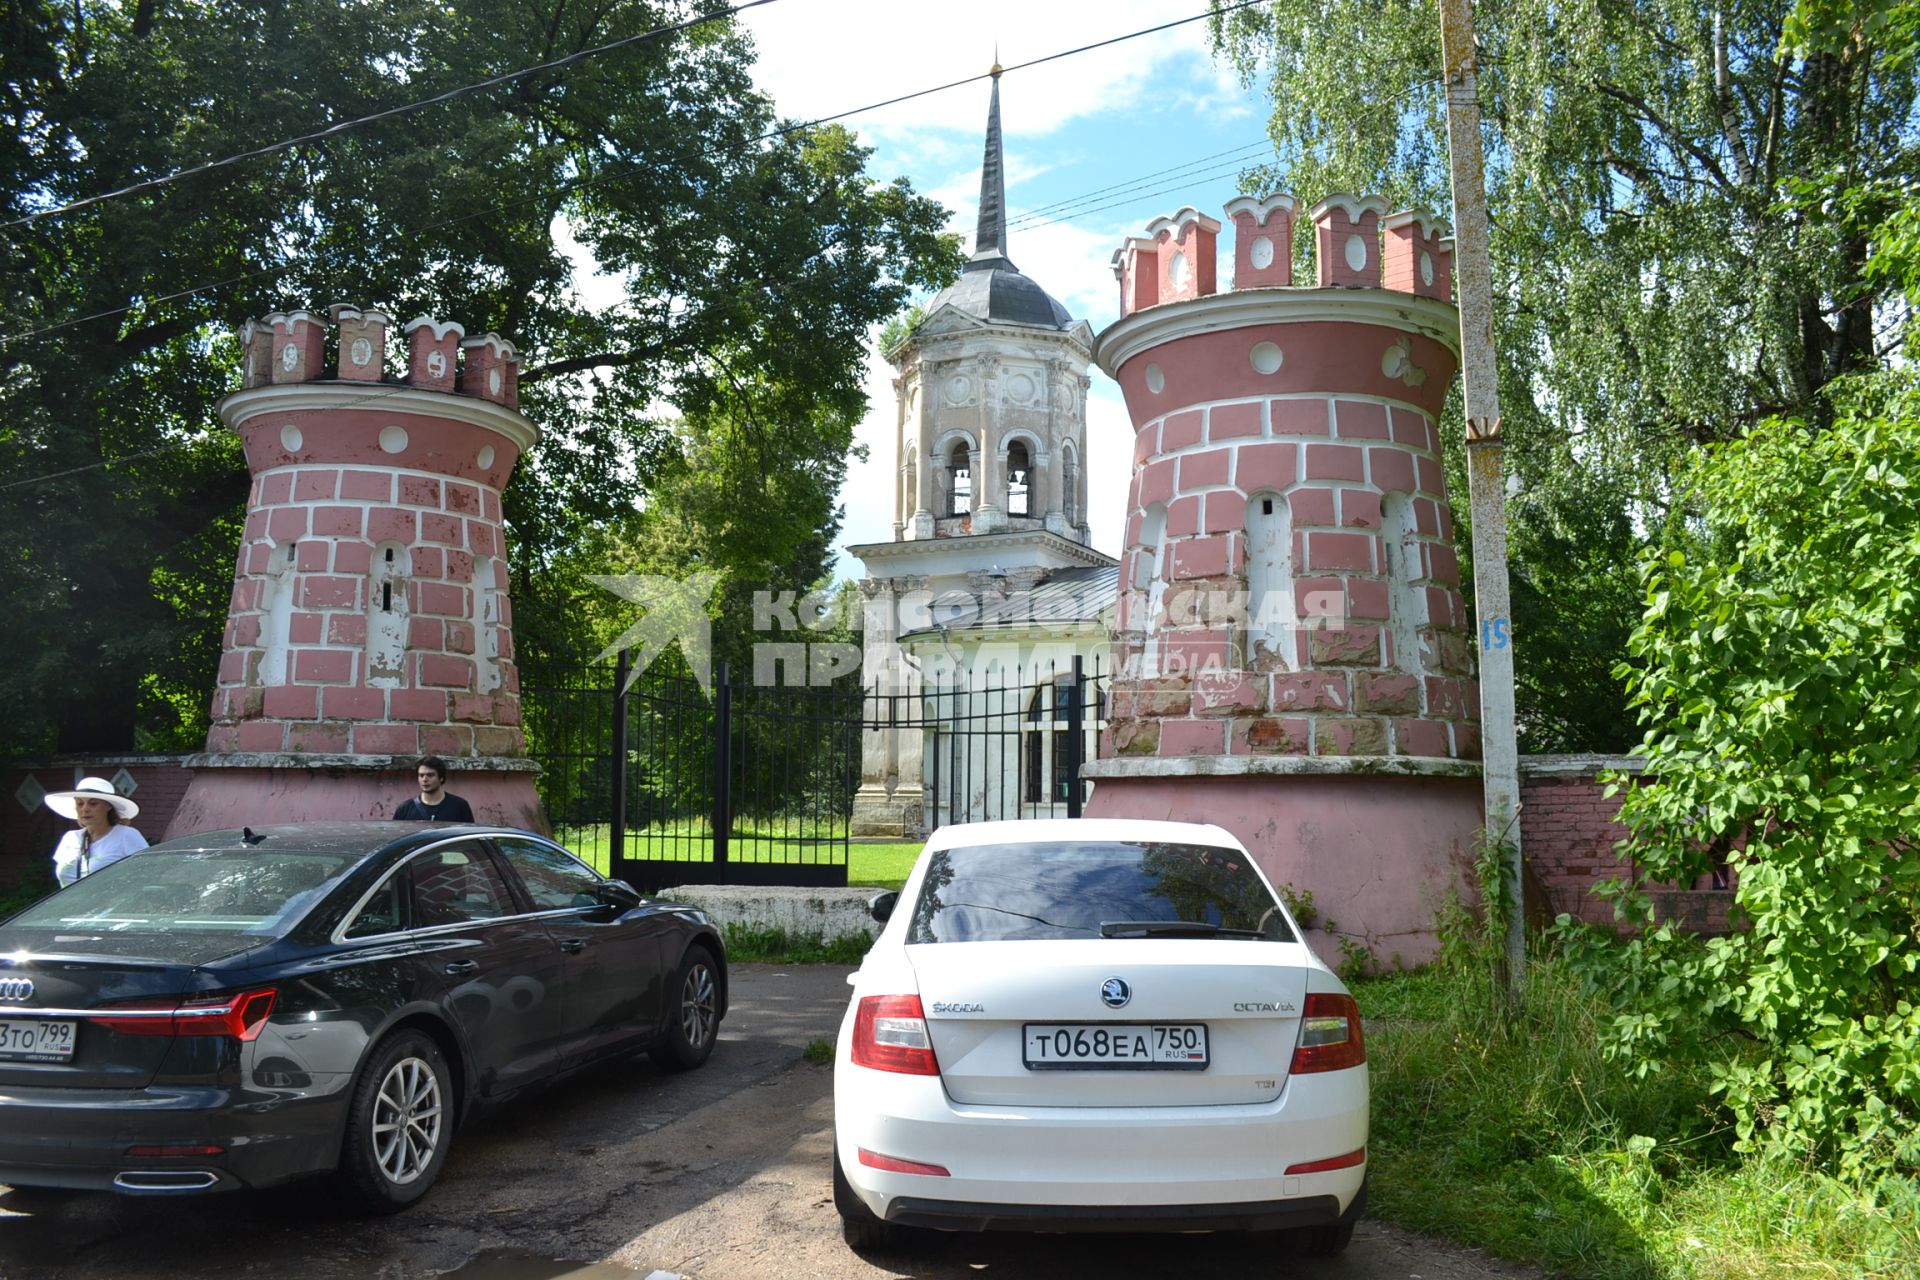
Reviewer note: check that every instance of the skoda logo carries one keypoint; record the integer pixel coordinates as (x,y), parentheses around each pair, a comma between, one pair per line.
(1115,992)
(16,989)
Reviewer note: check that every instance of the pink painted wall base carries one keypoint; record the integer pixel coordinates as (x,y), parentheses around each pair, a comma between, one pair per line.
(224,798)
(1380,854)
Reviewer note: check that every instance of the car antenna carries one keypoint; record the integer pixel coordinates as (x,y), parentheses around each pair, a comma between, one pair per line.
(248,838)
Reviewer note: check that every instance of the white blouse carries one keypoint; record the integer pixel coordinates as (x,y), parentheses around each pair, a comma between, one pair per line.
(120,841)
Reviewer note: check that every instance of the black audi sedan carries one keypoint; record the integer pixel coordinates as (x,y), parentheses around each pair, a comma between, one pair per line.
(241,1008)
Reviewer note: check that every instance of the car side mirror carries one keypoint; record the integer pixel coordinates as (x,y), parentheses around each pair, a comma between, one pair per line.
(881,905)
(617,893)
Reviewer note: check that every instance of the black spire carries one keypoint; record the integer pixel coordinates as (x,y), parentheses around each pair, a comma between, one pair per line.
(990,237)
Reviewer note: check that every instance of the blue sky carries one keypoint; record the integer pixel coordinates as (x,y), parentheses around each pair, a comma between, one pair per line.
(1110,117)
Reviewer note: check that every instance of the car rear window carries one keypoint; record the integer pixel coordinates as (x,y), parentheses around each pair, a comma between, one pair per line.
(245,890)
(1003,892)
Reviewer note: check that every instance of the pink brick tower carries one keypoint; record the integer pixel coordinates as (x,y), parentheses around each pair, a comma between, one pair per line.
(369,622)
(1294,658)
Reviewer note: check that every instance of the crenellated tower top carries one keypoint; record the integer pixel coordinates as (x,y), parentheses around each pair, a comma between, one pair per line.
(1358,245)
(291,346)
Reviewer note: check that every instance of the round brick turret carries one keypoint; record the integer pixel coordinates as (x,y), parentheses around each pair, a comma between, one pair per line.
(370,621)
(1293,648)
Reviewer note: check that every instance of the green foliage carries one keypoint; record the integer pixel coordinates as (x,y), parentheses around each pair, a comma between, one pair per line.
(818,1052)
(751,270)
(1657,283)
(1529,1140)
(897,330)
(36,884)
(1777,683)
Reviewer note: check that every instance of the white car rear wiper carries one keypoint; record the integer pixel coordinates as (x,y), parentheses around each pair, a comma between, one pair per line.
(1172,929)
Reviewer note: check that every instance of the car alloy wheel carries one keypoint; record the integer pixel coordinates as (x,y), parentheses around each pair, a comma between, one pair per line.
(408,1113)
(400,1124)
(695,1020)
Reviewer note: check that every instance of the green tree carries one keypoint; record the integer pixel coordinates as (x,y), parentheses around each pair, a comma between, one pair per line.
(1778,687)
(752,266)
(1659,282)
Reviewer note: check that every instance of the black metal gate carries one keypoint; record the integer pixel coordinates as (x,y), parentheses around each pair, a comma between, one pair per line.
(668,783)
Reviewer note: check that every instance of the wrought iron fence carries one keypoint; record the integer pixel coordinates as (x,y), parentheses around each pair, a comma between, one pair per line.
(666,783)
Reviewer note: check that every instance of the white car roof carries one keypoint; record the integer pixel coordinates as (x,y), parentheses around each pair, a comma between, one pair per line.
(1028,831)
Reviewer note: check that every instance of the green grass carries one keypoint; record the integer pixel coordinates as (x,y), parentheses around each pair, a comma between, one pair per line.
(1528,1142)
(747,945)
(871,864)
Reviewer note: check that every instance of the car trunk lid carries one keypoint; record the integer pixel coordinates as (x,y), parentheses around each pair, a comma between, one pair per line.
(71,975)
(981,1001)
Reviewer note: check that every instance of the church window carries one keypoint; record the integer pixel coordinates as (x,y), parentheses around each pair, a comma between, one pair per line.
(1019,485)
(960,486)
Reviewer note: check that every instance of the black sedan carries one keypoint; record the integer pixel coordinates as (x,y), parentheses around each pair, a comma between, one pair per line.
(242,1008)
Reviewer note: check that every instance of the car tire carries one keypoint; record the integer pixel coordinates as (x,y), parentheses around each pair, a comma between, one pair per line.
(400,1125)
(693,1020)
(1323,1241)
(860,1227)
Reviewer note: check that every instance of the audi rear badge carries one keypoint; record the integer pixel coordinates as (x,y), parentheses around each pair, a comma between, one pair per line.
(16,989)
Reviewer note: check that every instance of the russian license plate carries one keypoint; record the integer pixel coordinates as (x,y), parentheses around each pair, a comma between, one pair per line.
(35,1040)
(1116,1046)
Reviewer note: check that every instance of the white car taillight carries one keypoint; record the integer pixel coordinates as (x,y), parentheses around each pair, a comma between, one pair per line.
(890,1034)
(1329,1035)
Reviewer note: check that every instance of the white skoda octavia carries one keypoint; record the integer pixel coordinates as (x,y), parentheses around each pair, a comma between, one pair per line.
(1096,1026)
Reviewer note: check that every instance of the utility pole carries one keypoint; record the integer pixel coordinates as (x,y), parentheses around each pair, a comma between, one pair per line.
(1486,489)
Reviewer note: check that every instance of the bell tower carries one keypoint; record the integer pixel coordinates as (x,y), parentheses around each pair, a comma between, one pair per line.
(991,440)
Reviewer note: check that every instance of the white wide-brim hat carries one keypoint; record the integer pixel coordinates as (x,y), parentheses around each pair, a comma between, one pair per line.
(61,802)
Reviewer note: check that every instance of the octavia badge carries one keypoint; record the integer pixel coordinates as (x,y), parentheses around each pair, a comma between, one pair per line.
(16,989)
(1115,992)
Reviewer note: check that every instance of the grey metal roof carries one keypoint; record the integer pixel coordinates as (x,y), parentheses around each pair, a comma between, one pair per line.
(1067,596)
(991,287)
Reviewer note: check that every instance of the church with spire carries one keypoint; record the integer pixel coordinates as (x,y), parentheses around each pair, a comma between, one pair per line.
(990,574)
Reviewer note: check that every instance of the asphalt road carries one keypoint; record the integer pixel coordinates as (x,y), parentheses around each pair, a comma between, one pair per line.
(719,1174)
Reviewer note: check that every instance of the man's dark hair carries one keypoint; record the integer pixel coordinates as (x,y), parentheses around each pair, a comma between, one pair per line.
(434,763)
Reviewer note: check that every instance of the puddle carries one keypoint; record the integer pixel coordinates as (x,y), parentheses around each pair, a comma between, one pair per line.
(509,1264)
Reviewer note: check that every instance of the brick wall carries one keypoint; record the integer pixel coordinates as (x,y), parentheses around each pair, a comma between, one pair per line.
(1570,827)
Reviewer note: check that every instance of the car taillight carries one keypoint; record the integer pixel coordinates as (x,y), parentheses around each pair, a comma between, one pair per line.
(1329,1035)
(894,1164)
(890,1034)
(1351,1160)
(239,1015)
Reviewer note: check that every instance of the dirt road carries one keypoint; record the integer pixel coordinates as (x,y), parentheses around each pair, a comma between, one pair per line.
(721,1174)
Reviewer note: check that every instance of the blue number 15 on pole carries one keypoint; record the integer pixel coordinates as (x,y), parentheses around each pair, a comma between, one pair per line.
(1496,633)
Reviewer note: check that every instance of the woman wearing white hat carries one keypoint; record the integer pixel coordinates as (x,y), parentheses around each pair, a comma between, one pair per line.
(101,837)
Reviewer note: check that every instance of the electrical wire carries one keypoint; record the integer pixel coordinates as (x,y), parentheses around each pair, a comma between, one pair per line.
(334,130)
(1245,151)
(770,135)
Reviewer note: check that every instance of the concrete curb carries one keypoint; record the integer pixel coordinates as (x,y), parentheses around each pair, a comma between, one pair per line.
(800,913)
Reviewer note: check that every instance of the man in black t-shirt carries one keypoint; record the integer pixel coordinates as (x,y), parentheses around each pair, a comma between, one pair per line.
(434,803)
